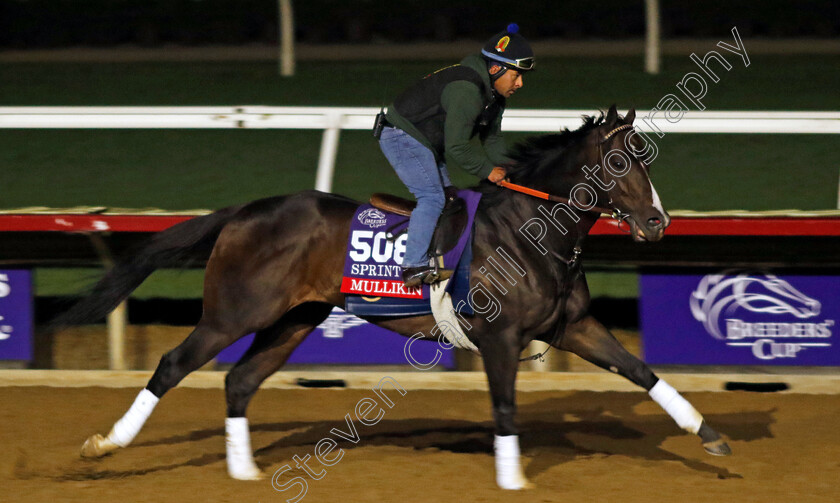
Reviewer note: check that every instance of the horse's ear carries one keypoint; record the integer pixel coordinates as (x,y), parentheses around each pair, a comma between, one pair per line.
(631,116)
(612,117)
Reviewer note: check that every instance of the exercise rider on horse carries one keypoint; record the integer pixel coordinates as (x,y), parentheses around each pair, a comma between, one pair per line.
(441,114)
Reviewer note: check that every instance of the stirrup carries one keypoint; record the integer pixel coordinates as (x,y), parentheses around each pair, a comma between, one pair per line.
(417,276)
(437,275)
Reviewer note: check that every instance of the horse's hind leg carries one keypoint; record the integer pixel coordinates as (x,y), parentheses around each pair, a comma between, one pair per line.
(198,348)
(591,340)
(269,351)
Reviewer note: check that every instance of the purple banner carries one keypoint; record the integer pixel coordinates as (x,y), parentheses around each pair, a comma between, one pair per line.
(15,315)
(740,318)
(346,339)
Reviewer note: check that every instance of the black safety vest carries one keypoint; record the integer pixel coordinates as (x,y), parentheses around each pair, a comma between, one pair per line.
(420,104)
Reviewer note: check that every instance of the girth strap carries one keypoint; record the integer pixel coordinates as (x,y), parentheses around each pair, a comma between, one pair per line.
(573,270)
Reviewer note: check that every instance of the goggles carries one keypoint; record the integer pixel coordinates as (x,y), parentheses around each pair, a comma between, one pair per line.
(524,64)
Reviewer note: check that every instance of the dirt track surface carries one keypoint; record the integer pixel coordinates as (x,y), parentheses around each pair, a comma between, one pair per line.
(432,446)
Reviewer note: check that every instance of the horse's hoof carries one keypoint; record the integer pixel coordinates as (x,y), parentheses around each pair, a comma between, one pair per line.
(248,474)
(713,443)
(242,467)
(515,481)
(97,446)
(717,448)
(518,485)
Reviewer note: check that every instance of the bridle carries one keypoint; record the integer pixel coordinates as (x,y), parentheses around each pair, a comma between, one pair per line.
(611,210)
(619,215)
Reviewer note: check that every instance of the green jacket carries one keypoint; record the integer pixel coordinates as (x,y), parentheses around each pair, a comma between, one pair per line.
(463,104)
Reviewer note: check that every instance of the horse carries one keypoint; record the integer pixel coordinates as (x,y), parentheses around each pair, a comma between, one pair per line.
(274,267)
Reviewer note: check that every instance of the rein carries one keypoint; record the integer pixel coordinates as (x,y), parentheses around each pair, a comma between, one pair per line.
(550,197)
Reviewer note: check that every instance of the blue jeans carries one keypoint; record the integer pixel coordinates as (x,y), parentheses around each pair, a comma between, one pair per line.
(416,166)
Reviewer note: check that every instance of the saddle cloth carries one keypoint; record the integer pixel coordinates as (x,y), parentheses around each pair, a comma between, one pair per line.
(372,276)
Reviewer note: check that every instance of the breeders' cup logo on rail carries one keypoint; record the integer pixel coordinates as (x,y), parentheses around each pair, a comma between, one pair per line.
(5,291)
(372,217)
(5,330)
(758,294)
(771,305)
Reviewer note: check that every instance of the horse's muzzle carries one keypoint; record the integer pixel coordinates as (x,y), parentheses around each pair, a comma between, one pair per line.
(653,229)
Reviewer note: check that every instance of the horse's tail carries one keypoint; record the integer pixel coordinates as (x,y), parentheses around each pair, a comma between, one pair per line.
(175,247)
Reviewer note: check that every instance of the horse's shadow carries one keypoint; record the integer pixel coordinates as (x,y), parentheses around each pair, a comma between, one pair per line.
(614,428)
(553,431)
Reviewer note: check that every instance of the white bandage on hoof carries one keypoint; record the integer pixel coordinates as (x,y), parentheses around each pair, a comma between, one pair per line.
(132,422)
(240,460)
(676,406)
(509,473)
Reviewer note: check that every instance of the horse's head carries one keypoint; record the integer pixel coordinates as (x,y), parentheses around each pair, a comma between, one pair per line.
(623,180)
(602,166)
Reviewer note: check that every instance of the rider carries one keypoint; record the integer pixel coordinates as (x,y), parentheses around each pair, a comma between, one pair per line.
(441,114)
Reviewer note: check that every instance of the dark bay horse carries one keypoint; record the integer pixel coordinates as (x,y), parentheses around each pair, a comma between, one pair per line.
(274,267)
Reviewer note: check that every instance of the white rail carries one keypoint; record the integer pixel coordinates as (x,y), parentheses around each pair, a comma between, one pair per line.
(332,120)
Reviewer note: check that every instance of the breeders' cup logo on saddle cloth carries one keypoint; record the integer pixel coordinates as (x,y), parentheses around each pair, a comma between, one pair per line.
(502,44)
(771,299)
(372,217)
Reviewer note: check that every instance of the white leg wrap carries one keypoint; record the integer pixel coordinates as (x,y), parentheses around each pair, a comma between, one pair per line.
(130,424)
(508,470)
(240,460)
(676,406)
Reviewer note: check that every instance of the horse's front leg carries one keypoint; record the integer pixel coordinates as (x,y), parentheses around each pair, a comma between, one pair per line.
(500,353)
(591,340)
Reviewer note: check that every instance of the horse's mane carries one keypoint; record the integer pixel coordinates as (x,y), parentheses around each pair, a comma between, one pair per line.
(534,155)
(536,152)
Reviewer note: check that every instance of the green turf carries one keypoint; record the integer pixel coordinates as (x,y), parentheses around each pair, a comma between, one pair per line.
(188,284)
(795,82)
(211,169)
(184,169)
(170,169)
(618,283)
(173,284)
(181,169)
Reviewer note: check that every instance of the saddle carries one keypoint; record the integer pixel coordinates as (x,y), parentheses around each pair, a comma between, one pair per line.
(450,225)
